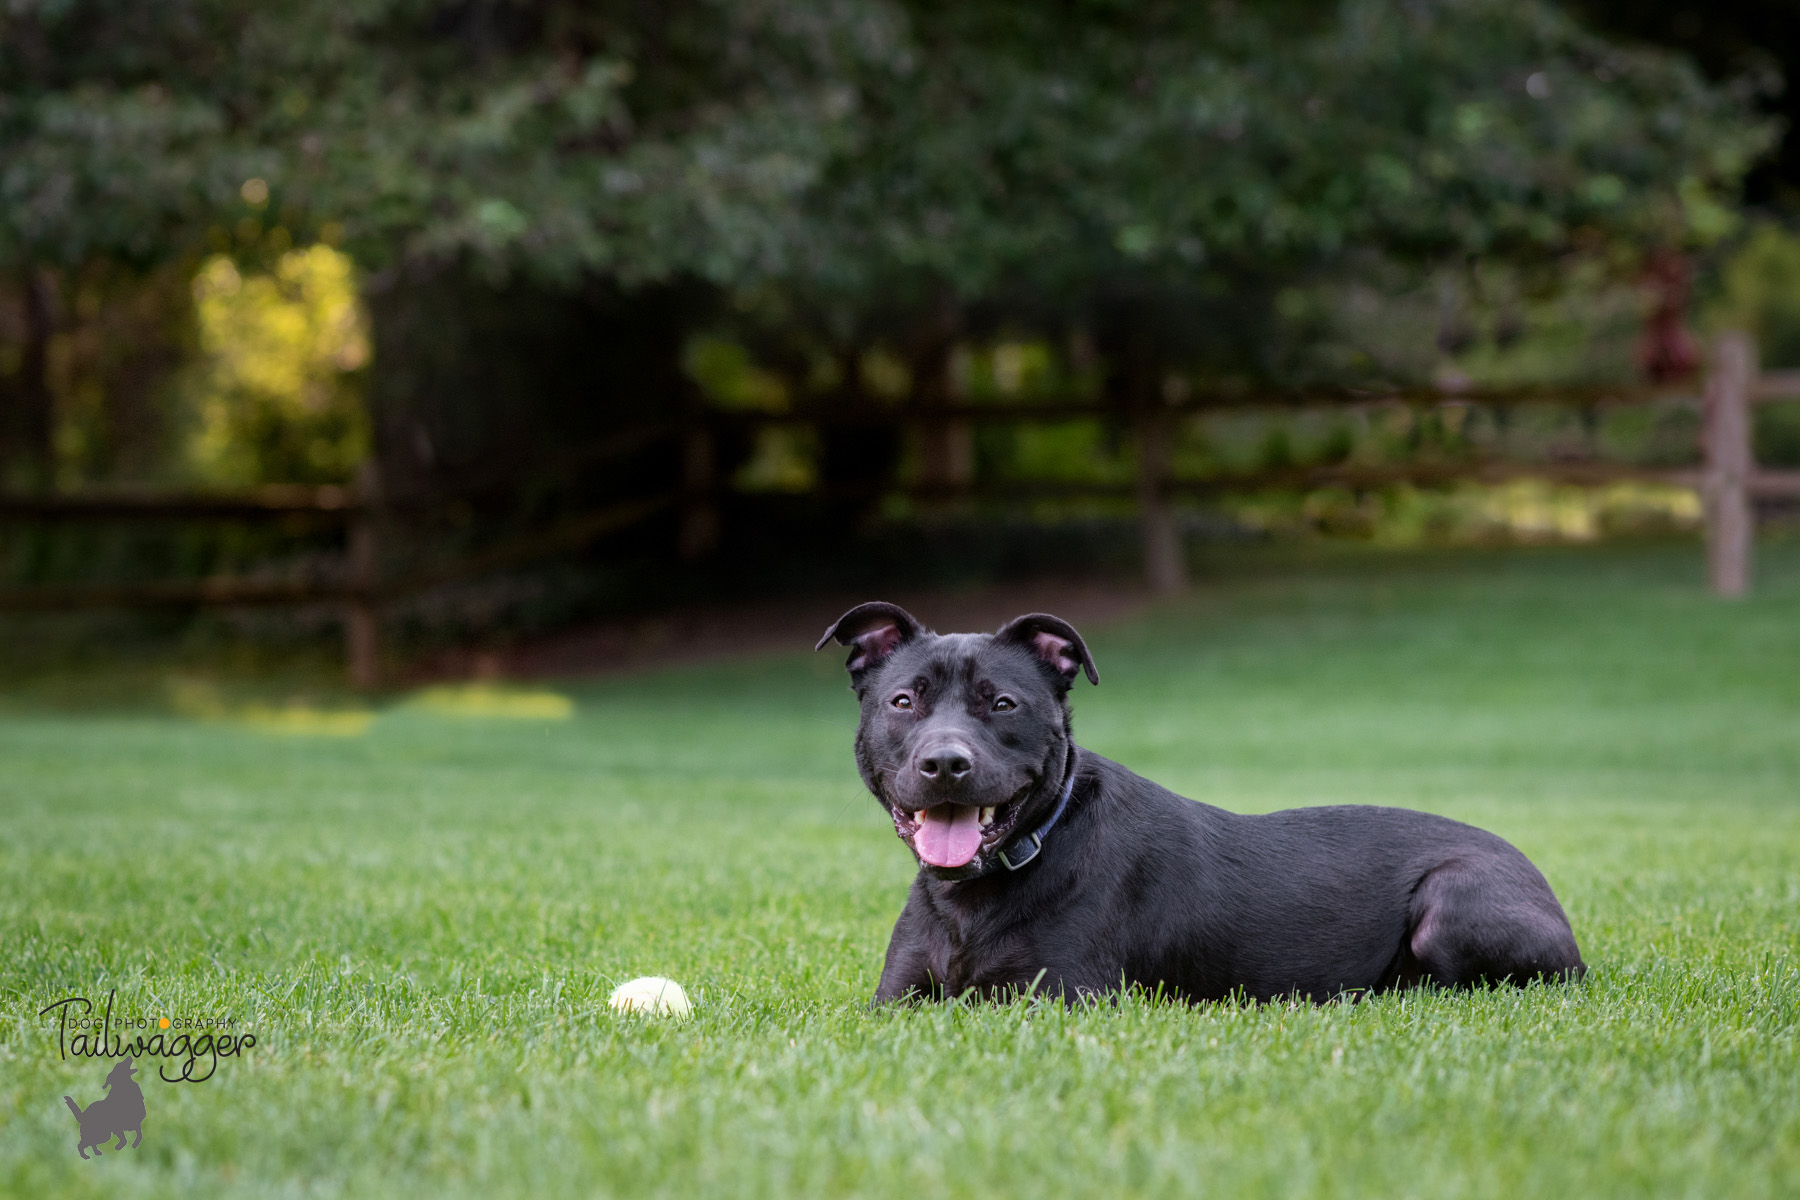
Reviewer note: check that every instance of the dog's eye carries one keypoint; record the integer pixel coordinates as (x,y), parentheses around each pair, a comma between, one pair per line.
(1005,704)
(901,701)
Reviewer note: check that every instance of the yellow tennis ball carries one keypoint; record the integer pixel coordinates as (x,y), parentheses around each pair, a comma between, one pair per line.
(651,994)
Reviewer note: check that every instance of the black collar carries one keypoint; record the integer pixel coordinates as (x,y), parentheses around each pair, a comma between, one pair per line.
(1023,850)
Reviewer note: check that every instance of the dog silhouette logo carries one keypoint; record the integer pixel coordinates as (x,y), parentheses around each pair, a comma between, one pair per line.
(119,1112)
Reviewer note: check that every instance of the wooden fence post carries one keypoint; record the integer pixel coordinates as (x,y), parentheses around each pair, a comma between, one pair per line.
(1730,515)
(362,615)
(1165,569)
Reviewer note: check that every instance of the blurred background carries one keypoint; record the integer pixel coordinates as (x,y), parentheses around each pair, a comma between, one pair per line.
(406,340)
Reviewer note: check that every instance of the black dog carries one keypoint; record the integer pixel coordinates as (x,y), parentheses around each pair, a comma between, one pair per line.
(1044,865)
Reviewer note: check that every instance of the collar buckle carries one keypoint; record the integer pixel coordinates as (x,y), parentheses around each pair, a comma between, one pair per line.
(1026,848)
(1036,841)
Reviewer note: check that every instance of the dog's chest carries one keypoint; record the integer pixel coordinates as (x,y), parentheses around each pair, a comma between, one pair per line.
(991,949)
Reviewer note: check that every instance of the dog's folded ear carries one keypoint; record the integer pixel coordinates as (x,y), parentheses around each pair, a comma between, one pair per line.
(873,631)
(1055,641)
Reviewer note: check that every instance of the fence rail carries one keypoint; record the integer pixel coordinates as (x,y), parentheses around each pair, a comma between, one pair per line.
(158,504)
(1729,481)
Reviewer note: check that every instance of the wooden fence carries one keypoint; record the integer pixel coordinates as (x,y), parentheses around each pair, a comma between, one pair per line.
(1729,482)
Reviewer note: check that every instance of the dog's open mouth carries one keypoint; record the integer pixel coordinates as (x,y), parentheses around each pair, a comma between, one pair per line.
(951,835)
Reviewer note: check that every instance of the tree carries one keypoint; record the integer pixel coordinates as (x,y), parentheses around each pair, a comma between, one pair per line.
(1087,150)
(899,170)
(101,161)
(560,142)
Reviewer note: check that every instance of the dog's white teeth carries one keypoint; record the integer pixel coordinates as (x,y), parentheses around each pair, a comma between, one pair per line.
(919,816)
(987,815)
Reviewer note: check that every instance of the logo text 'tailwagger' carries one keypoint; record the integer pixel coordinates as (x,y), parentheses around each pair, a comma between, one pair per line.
(96,1038)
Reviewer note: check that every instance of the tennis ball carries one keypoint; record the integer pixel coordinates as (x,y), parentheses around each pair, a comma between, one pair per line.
(651,994)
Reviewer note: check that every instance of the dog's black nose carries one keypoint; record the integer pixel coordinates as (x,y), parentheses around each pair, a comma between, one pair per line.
(945,763)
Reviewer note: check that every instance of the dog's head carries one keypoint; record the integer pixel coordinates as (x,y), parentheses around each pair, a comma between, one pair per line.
(965,737)
(121,1073)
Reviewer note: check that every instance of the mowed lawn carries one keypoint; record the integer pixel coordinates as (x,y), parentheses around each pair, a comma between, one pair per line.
(421,923)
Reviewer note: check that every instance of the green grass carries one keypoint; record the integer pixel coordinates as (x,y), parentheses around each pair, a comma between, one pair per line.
(421,924)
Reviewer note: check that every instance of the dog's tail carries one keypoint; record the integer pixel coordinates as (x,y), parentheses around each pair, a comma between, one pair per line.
(73,1107)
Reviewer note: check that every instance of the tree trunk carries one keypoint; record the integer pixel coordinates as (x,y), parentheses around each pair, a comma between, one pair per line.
(32,449)
(1134,388)
(1165,564)
(698,535)
(946,447)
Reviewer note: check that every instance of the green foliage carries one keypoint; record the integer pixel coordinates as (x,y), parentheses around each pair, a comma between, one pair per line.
(422,922)
(275,395)
(1209,181)
(124,334)
(1758,291)
(725,372)
(970,144)
(562,138)
(1052,143)
(1778,434)
(1234,185)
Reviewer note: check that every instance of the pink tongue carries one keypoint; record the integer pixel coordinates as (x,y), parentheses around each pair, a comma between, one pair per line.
(949,835)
